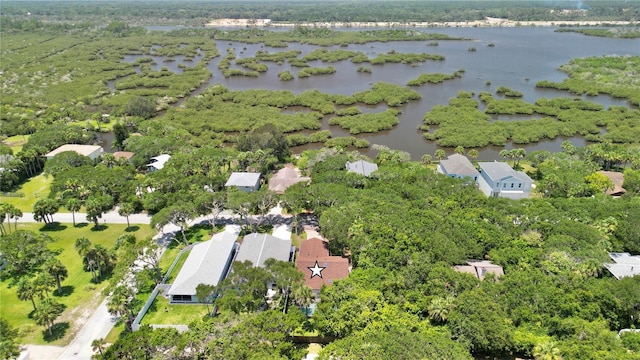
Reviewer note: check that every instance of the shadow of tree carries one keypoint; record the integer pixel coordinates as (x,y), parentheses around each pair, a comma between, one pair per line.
(54,226)
(100,227)
(57,331)
(66,291)
(133,228)
(82,224)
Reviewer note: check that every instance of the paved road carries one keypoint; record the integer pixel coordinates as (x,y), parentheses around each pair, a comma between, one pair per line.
(97,326)
(108,218)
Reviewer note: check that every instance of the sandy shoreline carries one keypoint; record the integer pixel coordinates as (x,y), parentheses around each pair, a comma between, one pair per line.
(488,22)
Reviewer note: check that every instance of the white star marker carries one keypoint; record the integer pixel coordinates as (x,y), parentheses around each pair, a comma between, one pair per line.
(316,270)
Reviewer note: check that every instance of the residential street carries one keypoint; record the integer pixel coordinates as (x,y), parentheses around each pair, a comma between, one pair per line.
(100,323)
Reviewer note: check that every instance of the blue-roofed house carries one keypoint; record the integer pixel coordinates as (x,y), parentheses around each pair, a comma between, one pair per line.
(361,167)
(498,179)
(458,166)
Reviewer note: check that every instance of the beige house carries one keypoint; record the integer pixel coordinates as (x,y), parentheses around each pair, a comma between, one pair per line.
(90,151)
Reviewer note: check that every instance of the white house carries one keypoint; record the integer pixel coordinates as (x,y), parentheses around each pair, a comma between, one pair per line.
(361,167)
(207,263)
(90,151)
(498,179)
(244,181)
(158,162)
(624,265)
(257,248)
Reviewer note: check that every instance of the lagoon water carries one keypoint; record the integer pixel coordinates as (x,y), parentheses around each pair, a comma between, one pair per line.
(520,58)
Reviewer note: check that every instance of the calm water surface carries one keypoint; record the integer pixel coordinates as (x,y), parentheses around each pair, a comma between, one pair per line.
(520,58)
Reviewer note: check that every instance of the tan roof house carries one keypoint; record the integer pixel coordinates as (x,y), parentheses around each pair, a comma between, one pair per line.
(618,179)
(480,269)
(285,177)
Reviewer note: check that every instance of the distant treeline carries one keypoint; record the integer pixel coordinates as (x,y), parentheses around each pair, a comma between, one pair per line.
(198,13)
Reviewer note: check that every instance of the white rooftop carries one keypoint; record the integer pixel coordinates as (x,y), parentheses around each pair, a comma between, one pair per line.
(361,167)
(625,265)
(501,170)
(206,263)
(243,179)
(159,161)
(85,150)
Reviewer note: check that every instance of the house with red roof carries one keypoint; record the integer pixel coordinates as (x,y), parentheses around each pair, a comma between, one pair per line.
(318,266)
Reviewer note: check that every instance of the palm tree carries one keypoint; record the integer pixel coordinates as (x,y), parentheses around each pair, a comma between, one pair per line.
(473,153)
(459,150)
(47,313)
(426,159)
(302,296)
(439,308)
(14,213)
(517,155)
(505,154)
(546,351)
(26,291)
(440,154)
(73,205)
(109,160)
(55,267)
(98,345)
(82,246)
(42,283)
(125,210)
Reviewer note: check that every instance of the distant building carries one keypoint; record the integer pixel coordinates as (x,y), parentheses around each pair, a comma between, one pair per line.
(126,155)
(361,167)
(480,269)
(458,166)
(624,265)
(207,263)
(245,181)
(498,179)
(158,162)
(257,248)
(318,266)
(90,151)
(286,177)
(617,179)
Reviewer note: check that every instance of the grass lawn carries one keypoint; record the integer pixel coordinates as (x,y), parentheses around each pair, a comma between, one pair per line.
(176,270)
(161,312)
(36,188)
(297,239)
(80,296)
(16,142)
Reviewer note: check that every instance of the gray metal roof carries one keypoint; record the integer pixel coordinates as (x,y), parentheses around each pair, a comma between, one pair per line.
(457,164)
(257,248)
(499,171)
(205,264)
(361,167)
(243,179)
(625,265)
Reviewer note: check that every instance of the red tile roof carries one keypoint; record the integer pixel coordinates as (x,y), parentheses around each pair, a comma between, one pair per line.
(332,267)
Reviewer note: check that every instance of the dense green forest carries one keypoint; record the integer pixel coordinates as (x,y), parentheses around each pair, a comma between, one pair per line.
(403,228)
(198,13)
